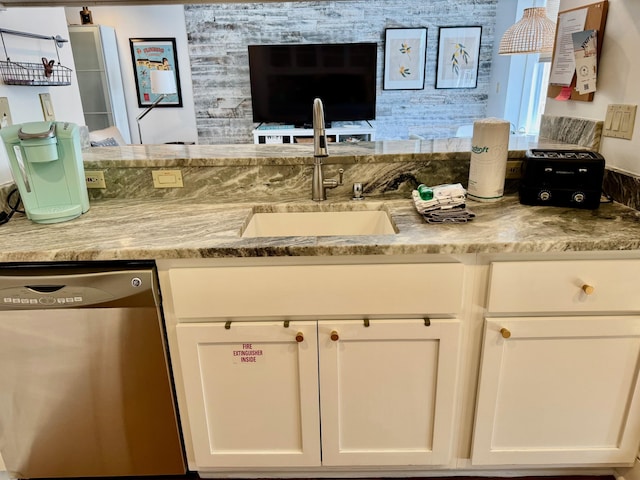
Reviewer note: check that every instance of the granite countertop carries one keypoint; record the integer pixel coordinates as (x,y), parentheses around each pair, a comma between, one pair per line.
(130,220)
(153,229)
(242,155)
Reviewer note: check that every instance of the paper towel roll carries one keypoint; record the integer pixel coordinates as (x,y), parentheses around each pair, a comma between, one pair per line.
(489,151)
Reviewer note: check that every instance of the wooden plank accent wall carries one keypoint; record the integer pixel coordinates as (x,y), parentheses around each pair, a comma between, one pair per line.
(219,34)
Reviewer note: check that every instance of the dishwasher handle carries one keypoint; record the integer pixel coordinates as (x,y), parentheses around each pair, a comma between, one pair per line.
(44,288)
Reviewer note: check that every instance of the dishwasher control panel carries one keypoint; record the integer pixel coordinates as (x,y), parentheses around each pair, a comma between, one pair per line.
(20,300)
(101,289)
(32,297)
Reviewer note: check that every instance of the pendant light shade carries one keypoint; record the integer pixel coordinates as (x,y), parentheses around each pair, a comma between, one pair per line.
(534,33)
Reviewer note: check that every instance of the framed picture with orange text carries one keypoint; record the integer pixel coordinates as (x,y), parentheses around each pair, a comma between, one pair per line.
(150,54)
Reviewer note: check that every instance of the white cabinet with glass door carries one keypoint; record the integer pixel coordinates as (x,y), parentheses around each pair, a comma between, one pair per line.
(95,54)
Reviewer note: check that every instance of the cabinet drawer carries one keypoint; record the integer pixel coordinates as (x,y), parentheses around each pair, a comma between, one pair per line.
(564,286)
(316,290)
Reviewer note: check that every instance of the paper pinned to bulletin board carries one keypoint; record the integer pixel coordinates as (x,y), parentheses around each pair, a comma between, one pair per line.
(562,80)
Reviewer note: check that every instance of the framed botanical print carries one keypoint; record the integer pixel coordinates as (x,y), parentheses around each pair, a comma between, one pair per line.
(405,52)
(458,57)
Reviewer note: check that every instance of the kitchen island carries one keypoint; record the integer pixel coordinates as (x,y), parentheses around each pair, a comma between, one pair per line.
(224,184)
(510,342)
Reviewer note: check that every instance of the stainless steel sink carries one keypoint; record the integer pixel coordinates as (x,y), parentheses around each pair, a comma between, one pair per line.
(318,223)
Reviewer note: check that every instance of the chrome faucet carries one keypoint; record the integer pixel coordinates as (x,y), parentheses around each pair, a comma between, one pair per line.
(318,183)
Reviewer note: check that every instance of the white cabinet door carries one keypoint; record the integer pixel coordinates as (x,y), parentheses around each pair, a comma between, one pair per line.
(252,393)
(387,391)
(558,390)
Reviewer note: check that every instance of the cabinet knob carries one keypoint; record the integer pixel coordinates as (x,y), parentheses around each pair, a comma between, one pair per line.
(588,289)
(334,336)
(505,332)
(299,337)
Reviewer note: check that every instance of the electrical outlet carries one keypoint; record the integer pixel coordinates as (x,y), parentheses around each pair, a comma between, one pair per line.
(167,178)
(5,113)
(95,179)
(514,169)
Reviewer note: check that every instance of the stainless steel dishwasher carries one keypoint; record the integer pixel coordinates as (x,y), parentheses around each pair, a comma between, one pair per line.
(85,382)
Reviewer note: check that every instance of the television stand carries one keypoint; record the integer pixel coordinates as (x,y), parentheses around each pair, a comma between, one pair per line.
(266,133)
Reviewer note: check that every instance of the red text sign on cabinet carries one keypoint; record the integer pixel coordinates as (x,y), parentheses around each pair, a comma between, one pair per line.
(247,354)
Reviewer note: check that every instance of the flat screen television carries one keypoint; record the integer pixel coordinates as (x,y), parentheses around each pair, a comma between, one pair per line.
(285,79)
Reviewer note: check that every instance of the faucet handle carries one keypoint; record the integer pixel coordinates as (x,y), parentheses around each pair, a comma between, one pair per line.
(329,182)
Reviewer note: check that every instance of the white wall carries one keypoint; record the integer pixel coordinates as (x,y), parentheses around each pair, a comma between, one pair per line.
(501,64)
(24,102)
(162,124)
(618,74)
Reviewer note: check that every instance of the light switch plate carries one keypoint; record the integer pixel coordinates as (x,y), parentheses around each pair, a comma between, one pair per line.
(167,178)
(5,113)
(47,107)
(619,121)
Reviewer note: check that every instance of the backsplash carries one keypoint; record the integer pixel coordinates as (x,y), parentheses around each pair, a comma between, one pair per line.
(622,187)
(284,176)
(577,131)
(4,192)
(237,173)
(248,172)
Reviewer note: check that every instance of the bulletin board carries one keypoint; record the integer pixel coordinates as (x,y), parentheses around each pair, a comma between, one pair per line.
(595,20)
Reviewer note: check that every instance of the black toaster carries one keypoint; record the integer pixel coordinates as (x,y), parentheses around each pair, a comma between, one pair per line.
(562,178)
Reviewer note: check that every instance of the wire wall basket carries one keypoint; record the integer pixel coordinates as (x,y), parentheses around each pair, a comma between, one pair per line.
(22,73)
(48,73)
